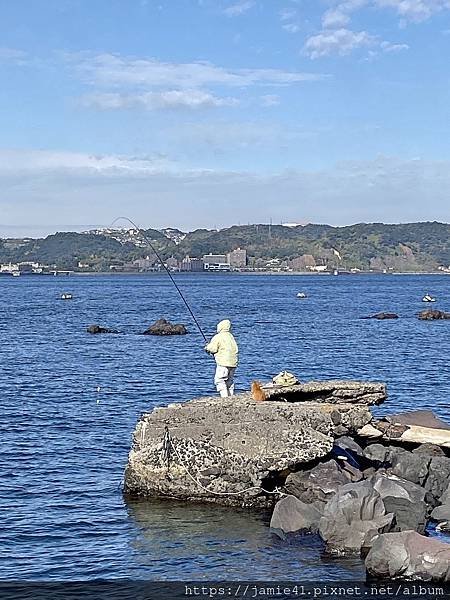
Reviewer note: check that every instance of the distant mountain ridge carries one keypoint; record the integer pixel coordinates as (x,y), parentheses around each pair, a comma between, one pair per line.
(413,247)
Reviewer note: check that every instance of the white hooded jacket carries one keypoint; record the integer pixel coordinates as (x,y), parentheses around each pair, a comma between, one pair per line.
(223,346)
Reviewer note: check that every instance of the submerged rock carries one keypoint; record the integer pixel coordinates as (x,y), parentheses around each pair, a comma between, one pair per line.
(291,516)
(163,327)
(94,329)
(409,555)
(382,315)
(433,315)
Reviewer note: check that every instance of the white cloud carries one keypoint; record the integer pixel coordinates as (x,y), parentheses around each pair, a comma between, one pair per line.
(79,189)
(170,99)
(290,20)
(415,10)
(270,100)
(338,41)
(335,18)
(239,8)
(222,136)
(287,14)
(389,47)
(43,161)
(339,16)
(111,70)
(344,41)
(11,55)
(291,27)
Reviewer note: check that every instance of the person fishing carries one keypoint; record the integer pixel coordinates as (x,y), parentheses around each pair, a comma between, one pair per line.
(225,350)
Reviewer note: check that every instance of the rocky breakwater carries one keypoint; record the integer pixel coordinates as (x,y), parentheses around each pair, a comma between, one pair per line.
(240,452)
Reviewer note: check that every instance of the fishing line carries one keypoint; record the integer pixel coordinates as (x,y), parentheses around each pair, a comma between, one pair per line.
(147,239)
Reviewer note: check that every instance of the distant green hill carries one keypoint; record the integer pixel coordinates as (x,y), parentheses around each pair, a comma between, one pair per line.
(411,247)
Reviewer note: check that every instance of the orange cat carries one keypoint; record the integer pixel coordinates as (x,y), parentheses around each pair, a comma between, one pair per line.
(258,393)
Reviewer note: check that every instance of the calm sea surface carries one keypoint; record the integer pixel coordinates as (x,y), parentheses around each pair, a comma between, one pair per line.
(64,444)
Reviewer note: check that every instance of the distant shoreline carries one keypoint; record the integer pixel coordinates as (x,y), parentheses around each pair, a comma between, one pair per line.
(253,273)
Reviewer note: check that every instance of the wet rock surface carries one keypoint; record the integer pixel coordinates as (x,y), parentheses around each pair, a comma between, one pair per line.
(95,329)
(433,315)
(292,516)
(382,316)
(164,327)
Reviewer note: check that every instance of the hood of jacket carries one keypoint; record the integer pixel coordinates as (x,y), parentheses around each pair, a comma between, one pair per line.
(224,325)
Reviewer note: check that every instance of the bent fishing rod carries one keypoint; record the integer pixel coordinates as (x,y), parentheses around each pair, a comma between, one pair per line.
(149,242)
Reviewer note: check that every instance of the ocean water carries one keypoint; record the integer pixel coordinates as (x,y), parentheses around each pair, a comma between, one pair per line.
(69,402)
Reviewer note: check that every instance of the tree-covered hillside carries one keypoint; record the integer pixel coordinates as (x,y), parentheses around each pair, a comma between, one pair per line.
(404,247)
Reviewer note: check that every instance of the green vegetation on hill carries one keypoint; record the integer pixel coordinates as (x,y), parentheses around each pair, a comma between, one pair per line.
(405,247)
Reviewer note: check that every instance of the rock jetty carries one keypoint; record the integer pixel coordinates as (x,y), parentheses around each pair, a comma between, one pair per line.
(315,454)
(236,451)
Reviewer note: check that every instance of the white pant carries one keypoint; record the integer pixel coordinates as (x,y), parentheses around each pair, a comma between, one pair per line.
(224,380)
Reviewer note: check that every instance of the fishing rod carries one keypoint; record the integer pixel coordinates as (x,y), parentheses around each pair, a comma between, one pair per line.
(147,239)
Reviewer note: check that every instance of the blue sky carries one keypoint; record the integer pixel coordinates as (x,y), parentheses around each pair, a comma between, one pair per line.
(205,113)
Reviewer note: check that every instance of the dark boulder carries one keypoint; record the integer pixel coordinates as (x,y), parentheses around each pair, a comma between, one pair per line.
(428,449)
(163,327)
(353,517)
(441,513)
(318,484)
(376,453)
(408,515)
(433,315)
(413,467)
(445,497)
(438,475)
(387,484)
(292,516)
(408,555)
(382,316)
(94,329)
(379,455)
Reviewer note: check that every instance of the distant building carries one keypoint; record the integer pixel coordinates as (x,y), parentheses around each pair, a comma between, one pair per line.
(193,265)
(9,268)
(302,263)
(172,264)
(145,264)
(218,267)
(24,267)
(318,268)
(216,262)
(214,258)
(237,259)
